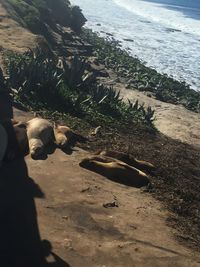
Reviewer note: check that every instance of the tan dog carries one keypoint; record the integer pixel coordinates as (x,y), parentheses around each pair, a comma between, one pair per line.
(3,143)
(116,170)
(129,159)
(62,134)
(40,134)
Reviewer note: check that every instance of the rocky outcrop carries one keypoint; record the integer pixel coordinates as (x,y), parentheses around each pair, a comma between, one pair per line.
(50,24)
(36,14)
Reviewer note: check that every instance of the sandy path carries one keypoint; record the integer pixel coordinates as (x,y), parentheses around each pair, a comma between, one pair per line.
(84,233)
(172,120)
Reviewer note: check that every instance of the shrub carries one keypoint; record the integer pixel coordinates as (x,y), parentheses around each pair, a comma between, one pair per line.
(39,82)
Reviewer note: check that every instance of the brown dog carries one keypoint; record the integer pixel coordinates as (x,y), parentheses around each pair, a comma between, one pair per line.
(128,159)
(116,170)
(64,136)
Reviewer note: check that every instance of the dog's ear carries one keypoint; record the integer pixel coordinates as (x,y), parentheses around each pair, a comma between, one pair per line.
(19,124)
(14,122)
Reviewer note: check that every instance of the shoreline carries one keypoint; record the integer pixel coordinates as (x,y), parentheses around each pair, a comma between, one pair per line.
(162,46)
(138,76)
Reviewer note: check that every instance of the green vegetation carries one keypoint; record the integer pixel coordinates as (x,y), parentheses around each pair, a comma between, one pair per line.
(38,13)
(29,14)
(141,77)
(41,82)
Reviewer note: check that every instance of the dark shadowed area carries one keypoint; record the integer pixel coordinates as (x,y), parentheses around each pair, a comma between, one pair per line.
(21,245)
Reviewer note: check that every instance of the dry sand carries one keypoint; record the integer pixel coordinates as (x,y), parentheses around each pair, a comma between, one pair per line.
(172,120)
(12,35)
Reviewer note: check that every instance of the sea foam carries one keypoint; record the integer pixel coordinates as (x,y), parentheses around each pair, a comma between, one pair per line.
(163,39)
(161,14)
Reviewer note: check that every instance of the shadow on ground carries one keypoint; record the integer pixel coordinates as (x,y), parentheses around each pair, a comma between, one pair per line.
(20,243)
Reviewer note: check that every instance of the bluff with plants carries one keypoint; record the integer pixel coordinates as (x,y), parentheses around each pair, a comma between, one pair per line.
(38,15)
(139,76)
(41,82)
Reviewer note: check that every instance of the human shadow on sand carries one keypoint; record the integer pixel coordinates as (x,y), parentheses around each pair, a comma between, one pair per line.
(21,244)
(20,241)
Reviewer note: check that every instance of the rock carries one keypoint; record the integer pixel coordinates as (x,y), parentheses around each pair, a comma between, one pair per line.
(78,19)
(128,40)
(109,34)
(111,205)
(128,86)
(65,217)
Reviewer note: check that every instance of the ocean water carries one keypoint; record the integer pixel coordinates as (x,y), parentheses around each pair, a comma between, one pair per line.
(165,33)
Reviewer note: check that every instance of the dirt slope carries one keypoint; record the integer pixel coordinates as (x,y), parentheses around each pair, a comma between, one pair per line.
(84,233)
(13,36)
(172,120)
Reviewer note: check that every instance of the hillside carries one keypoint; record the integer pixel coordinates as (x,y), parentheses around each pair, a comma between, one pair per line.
(54,72)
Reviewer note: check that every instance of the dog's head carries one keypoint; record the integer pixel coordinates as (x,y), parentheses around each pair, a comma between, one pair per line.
(36,148)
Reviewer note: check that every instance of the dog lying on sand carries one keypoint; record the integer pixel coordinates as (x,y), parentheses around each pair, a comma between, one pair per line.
(64,136)
(128,159)
(116,170)
(37,134)
(40,134)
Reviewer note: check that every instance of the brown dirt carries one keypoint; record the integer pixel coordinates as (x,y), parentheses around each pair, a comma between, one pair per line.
(172,120)
(71,216)
(13,36)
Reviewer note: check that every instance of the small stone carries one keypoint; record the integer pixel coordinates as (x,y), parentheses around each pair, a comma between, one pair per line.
(111,205)
(85,189)
(67,243)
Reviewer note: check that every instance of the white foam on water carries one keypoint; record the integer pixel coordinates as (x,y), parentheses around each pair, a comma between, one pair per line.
(158,13)
(164,39)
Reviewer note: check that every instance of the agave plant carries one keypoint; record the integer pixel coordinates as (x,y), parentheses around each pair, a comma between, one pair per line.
(100,92)
(149,115)
(75,72)
(34,77)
